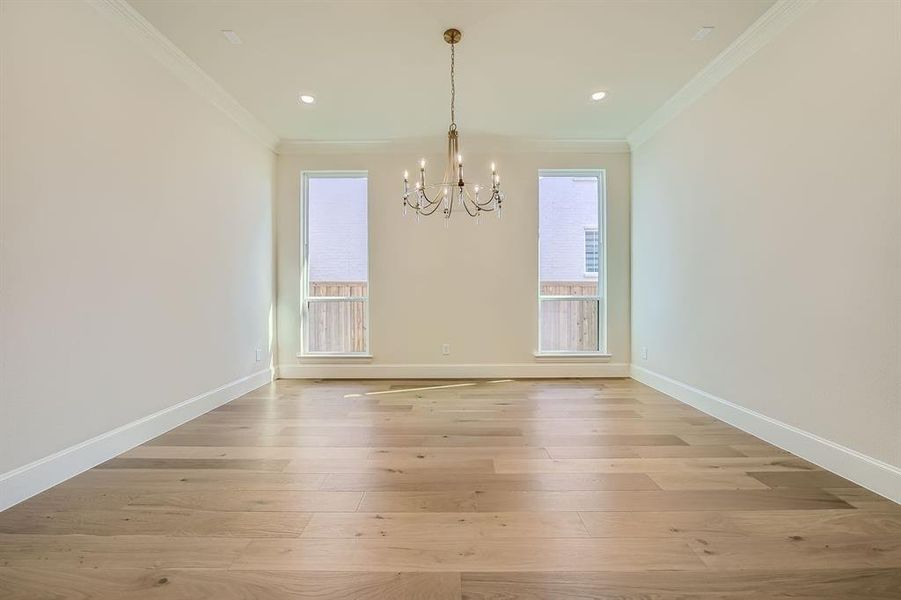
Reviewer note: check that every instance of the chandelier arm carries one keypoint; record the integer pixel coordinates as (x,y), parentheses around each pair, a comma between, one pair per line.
(426,212)
(426,198)
(484,204)
(463,198)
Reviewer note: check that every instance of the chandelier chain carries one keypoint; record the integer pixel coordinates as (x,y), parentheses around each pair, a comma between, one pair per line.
(453,125)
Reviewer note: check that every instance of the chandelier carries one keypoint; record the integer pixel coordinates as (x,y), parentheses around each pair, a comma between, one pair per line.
(453,191)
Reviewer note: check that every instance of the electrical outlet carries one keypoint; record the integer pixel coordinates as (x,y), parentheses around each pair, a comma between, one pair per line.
(259,354)
(445,349)
(644,353)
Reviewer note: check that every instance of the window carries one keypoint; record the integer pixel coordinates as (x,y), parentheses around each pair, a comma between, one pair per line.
(571,304)
(591,251)
(335,275)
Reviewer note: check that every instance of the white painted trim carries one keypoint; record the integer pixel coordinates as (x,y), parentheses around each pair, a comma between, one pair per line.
(573,356)
(601,296)
(755,37)
(26,481)
(873,474)
(452,371)
(482,143)
(176,61)
(305,297)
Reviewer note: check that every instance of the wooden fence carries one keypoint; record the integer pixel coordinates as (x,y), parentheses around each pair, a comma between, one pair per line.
(337,326)
(569,325)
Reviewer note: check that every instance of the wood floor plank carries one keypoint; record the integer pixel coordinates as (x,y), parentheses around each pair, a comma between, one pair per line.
(251,500)
(447,428)
(760,449)
(699,524)
(440,480)
(627,501)
(390,465)
(39,583)
(649,465)
(843,584)
(120,551)
(569,554)
(862,498)
(658,451)
(328,452)
(706,480)
(811,479)
(799,552)
(144,480)
(172,522)
(687,451)
(195,463)
(445,526)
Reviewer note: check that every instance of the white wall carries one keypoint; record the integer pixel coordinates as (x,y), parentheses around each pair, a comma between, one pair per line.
(767,233)
(136,235)
(472,286)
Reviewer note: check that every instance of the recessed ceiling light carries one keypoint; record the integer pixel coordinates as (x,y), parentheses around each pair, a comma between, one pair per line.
(232,37)
(598,95)
(703,32)
(307,99)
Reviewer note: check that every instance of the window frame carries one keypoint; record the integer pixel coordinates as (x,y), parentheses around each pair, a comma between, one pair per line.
(305,297)
(601,296)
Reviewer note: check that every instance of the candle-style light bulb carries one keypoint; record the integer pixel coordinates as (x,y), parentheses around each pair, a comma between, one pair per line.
(406,175)
(422,164)
(493,169)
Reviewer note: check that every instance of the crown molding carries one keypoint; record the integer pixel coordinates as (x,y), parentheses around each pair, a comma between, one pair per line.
(755,37)
(167,53)
(481,143)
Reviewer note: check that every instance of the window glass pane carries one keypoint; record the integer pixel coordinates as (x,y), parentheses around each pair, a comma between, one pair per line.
(336,231)
(336,326)
(337,236)
(569,241)
(569,325)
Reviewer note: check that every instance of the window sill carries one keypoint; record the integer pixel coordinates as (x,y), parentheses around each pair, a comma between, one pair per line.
(573,356)
(328,356)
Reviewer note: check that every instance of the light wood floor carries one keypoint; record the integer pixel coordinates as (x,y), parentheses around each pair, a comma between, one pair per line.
(560,490)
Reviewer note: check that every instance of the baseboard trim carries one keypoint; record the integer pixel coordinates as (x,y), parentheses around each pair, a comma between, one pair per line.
(871,473)
(450,371)
(31,479)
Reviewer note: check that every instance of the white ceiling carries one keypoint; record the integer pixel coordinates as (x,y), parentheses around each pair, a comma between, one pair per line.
(379,68)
